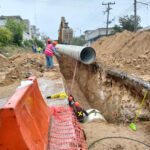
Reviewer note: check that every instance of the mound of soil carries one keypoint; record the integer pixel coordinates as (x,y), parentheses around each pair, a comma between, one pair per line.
(20,66)
(127,52)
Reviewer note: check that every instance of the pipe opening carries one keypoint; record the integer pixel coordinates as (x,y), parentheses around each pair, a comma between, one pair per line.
(87,55)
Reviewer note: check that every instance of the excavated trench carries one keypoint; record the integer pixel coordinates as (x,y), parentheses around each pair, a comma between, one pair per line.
(113,93)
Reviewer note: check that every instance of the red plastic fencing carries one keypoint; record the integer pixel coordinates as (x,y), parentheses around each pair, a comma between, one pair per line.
(66,132)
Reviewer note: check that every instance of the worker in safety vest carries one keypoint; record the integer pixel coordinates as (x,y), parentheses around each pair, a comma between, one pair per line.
(49,51)
(71,101)
(38,50)
(79,111)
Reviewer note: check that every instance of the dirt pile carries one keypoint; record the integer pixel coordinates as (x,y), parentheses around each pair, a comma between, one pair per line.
(20,66)
(7,71)
(29,64)
(127,52)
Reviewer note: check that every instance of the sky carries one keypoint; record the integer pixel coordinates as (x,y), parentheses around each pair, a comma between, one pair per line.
(80,14)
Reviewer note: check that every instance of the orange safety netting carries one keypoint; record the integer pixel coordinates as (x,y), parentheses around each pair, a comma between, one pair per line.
(66,132)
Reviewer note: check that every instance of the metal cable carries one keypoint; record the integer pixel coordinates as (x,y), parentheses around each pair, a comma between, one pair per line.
(119,137)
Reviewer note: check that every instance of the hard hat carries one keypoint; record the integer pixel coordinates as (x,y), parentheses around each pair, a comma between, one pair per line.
(54,42)
(70,98)
(76,104)
(48,40)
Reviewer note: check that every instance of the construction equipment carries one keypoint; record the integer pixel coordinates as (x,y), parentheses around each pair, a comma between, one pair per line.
(65,35)
(60,96)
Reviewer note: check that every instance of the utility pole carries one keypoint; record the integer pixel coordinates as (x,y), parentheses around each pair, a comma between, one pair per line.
(135,16)
(135,13)
(108,11)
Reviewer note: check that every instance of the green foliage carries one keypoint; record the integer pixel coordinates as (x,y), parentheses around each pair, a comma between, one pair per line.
(80,41)
(5,36)
(117,28)
(16,27)
(39,43)
(10,50)
(127,23)
(29,43)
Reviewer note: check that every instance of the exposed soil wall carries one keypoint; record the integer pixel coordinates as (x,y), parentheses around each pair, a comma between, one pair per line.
(116,101)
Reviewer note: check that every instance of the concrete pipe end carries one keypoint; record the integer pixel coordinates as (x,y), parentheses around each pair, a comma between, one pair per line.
(87,55)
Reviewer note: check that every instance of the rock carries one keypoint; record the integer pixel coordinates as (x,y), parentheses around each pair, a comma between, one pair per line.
(142,57)
(138,67)
(117,65)
(128,61)
(14,77)
(147,52)
(134,60)
(27,74)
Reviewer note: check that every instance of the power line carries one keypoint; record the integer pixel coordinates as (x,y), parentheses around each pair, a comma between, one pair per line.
(108,11)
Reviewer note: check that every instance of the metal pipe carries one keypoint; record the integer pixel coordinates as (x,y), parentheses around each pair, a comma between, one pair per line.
(81,53)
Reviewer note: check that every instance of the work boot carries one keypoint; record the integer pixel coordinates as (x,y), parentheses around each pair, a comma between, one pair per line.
(46,69)
(53,69)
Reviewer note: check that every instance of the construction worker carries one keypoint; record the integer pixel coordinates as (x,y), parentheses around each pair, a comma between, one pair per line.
(38,50)
(79,111)
(33,48)
(49,51)
(71,101)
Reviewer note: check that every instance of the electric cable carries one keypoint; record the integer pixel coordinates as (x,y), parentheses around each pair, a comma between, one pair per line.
(117,137)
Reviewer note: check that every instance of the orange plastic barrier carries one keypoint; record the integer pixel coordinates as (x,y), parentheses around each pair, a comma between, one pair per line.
(25,120)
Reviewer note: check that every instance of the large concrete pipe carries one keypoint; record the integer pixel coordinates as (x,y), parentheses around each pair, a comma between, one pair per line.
(81,53)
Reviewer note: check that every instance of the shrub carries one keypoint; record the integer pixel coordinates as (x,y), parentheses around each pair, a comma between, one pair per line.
(39,43)
(17,28)
(5,36)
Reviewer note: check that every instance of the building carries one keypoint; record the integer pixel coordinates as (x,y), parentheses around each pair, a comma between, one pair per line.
(145,29)
(93,35)
(27,33)
(3,19)
(35,32)
(65,32)
(31,31)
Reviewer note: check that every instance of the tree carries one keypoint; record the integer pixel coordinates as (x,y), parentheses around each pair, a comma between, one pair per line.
(80,41)
(39,43)
(127,23)
(5,36)
(16,27)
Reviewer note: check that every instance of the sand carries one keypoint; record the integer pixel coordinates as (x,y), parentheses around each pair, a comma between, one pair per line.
(127,52)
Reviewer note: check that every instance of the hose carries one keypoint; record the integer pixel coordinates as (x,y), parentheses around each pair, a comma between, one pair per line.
(119,137)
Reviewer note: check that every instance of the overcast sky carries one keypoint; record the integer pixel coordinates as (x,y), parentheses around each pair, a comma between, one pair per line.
(81,14)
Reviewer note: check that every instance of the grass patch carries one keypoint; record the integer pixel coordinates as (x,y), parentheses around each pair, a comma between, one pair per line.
(8,51)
